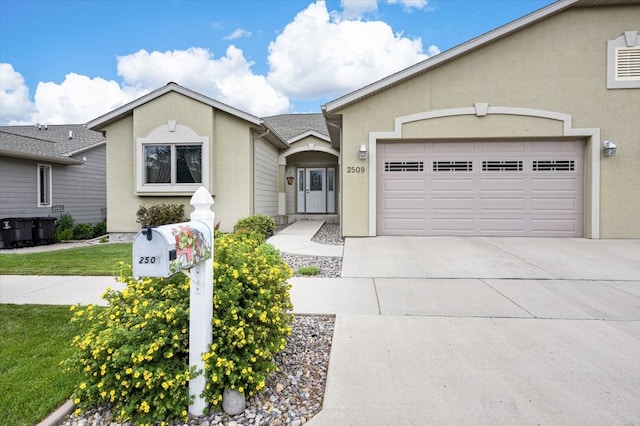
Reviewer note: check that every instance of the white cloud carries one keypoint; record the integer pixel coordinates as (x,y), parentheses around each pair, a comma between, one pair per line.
(410,4)
(240,32)
(354,9)
(319,54)
(78,99)
(15,104)
(228,79)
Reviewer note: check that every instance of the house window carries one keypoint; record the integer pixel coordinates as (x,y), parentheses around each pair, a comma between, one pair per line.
(44,185)
(623,61)
(172,159)
(172,164)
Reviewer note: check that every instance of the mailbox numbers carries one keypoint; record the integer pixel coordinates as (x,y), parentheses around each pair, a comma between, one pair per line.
(351,169)
(148,259)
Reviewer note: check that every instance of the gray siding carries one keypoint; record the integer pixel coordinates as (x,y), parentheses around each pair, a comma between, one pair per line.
(80,188)
(265,179)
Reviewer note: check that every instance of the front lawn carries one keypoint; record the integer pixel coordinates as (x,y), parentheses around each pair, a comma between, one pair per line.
(98,259)
(33,341)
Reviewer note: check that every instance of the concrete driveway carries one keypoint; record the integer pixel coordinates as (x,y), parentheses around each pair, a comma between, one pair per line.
(483,331)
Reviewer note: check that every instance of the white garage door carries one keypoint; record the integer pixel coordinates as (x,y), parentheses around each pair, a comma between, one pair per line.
(492,188)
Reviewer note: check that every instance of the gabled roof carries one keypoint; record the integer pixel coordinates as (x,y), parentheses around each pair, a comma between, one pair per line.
(54,143)
(294,127)
(118,113)
(460,50)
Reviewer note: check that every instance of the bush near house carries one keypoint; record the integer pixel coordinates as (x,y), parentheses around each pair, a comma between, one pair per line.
(160,214)
(260,223)
(133,354)
(66,229)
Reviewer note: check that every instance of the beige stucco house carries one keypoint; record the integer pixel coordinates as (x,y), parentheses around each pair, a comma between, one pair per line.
(503,135)
(164,145)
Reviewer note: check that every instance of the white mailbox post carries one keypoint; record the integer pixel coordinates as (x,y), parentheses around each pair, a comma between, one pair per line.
(168,249)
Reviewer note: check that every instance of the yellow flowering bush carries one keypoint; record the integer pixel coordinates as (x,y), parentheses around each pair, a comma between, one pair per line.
(134,353)
(250,314)
(261,224)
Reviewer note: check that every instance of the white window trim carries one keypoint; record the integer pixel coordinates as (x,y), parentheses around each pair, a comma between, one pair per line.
(628,40)
(49,185)
(171,134)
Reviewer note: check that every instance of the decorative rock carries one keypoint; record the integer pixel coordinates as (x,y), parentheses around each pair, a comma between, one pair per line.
(233,402)
(308,350)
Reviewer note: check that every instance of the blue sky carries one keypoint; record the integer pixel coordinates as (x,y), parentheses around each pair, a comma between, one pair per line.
(71,61)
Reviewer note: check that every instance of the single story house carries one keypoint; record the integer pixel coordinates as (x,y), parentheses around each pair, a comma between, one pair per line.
(47,170)
(163,146)
(509,134)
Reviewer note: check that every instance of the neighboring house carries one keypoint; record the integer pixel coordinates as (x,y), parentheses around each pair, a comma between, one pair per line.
(503,135)
(49,170)
(163,146)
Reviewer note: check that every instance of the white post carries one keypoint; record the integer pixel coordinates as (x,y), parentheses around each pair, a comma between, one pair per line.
(200,303)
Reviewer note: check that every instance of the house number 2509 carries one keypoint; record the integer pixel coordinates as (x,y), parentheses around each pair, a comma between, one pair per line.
(351,169)
(147,259)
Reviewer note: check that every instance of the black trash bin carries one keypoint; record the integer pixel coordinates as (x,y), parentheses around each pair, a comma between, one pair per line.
(17,231)
(43,230)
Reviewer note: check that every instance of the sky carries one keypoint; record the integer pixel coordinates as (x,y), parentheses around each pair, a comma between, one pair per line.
(68,62)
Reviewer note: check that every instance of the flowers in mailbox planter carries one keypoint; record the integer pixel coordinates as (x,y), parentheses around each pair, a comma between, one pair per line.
(191,248)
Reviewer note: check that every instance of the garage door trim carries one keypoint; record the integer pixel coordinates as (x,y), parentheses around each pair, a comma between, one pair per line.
(591,135)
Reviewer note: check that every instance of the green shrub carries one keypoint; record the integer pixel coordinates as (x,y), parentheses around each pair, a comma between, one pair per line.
(100,229)
(63,234)
(160,214)
(309,270)
(250,305)
(65,222)
(63,230)
(134,353)
(82,231)
(260,223)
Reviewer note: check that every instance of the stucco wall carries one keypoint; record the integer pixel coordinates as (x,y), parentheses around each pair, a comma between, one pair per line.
(556,65)
(230,156)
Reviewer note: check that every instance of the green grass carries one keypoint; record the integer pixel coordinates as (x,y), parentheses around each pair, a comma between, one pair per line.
(309,270)
(98,259)
(33,341)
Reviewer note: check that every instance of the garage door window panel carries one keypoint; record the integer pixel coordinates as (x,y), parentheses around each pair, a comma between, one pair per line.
(452,166)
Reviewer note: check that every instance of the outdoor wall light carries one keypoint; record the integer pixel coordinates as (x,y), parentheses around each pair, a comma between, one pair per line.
(610,148)
(362,154)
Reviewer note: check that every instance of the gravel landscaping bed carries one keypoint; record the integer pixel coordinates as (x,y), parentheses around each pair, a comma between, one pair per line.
(330,267)
(293,394)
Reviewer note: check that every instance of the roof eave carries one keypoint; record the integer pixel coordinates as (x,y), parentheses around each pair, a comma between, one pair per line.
(271,136)
(36,157)
(447,55)
(118,113)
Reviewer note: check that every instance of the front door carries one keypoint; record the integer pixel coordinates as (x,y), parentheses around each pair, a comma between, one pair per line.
(316,191)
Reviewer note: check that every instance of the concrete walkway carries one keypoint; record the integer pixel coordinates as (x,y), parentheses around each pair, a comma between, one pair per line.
(453,331)
(296,239)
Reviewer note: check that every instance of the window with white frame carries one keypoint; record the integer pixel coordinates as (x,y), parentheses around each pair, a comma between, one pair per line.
(172,158)
(44,185)
(623,61)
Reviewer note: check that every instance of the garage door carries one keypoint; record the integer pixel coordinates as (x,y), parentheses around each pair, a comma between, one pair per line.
(491,188)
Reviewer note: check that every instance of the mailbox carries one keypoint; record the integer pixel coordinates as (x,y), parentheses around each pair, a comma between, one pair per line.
(165,250)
